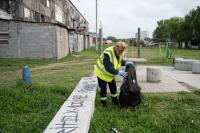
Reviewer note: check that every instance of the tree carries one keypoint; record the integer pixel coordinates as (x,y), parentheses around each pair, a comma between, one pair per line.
(112,38)
(158,32)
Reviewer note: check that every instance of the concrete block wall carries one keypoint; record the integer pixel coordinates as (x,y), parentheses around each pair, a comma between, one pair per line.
(91,41)
(37,40)
(9,50)
(62,42)
(71,43)
(79,42)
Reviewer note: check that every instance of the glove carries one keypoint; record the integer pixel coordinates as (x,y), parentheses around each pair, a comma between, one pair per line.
(128,64)
(123,74)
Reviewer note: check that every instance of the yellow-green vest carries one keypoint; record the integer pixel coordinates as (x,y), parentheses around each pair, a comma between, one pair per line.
(100,69)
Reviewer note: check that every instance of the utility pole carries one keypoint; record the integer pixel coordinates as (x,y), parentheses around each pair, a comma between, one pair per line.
(100,38)
(138,42)
(96,28)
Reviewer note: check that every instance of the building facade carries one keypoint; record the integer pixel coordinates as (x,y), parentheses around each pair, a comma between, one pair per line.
(143,35)
(41,29)
(53,11)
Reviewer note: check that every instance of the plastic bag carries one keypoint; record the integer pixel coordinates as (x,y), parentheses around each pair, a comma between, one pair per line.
(130,94)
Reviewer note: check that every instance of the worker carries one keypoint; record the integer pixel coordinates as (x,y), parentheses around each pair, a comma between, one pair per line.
(107,67)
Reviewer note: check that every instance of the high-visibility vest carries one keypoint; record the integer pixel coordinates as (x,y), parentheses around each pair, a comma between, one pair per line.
(100,69)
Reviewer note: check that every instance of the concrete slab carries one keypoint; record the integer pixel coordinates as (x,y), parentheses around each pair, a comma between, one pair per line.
(76,113)
(170,80)
(168,84)
(73,116)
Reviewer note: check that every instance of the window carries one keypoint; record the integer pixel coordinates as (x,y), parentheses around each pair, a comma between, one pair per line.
(48,4)
(37,16)
(27,13)
(4,4)
(42,1)
(4,36)
(42,18)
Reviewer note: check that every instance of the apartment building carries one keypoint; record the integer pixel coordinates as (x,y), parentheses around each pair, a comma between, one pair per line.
(27,25)
(143,35)
(53,11)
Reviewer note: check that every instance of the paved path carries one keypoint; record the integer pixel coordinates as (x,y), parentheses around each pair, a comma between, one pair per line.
(169,83)
(170,80)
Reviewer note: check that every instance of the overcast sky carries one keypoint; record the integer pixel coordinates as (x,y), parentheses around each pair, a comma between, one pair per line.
(122,18)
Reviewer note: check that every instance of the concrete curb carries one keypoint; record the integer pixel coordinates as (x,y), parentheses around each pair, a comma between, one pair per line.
(75,114)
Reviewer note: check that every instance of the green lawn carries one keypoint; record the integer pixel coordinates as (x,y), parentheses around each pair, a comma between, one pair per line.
(25,108)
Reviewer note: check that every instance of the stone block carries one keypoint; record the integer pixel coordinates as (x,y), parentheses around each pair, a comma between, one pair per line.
(175,59)
(154,74)
(196,67)
(184,64)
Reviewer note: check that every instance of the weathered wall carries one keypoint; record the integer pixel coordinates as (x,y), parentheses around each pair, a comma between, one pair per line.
(37,40)
(71,42)
(9,50)
(62,42)
(79,42)
(28,40)
(91,41)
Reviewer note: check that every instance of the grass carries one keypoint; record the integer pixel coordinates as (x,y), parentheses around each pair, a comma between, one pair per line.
(159,112)
(30,108)
(154,57)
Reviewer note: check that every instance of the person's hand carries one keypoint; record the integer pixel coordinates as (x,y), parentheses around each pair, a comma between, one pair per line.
(123,74)
(129,64)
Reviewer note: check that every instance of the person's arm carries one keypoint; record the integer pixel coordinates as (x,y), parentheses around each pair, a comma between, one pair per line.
(108,65)
(123,62)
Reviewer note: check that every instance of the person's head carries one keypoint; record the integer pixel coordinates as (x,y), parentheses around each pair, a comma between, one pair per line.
(120,47)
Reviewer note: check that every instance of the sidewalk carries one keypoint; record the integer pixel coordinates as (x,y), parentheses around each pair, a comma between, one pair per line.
(170,80)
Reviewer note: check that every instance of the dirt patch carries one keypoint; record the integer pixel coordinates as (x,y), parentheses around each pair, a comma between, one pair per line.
(56,64)
(51,65)
(88,59)
(76,55)
(55,71)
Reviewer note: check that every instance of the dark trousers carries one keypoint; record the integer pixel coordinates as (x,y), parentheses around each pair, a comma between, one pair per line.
(103,86)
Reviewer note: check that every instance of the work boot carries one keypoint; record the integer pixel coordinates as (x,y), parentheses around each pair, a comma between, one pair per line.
(104,103)
(115,101)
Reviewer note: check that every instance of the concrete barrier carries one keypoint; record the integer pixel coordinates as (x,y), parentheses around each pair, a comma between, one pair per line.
(184,64)
(196,67)
(175,59)
(154,74)
(75,114)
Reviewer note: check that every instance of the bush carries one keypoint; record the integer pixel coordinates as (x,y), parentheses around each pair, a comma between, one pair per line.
(195,41)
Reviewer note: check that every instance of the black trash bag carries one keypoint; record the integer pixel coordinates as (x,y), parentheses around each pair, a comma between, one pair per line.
(130,91)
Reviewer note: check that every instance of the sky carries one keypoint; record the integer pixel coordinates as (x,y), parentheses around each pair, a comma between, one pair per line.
(122,18)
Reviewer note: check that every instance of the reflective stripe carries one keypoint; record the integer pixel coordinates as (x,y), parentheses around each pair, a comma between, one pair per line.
(100,60)
(103,98)
(103,71)
(113,95)
(111,56)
